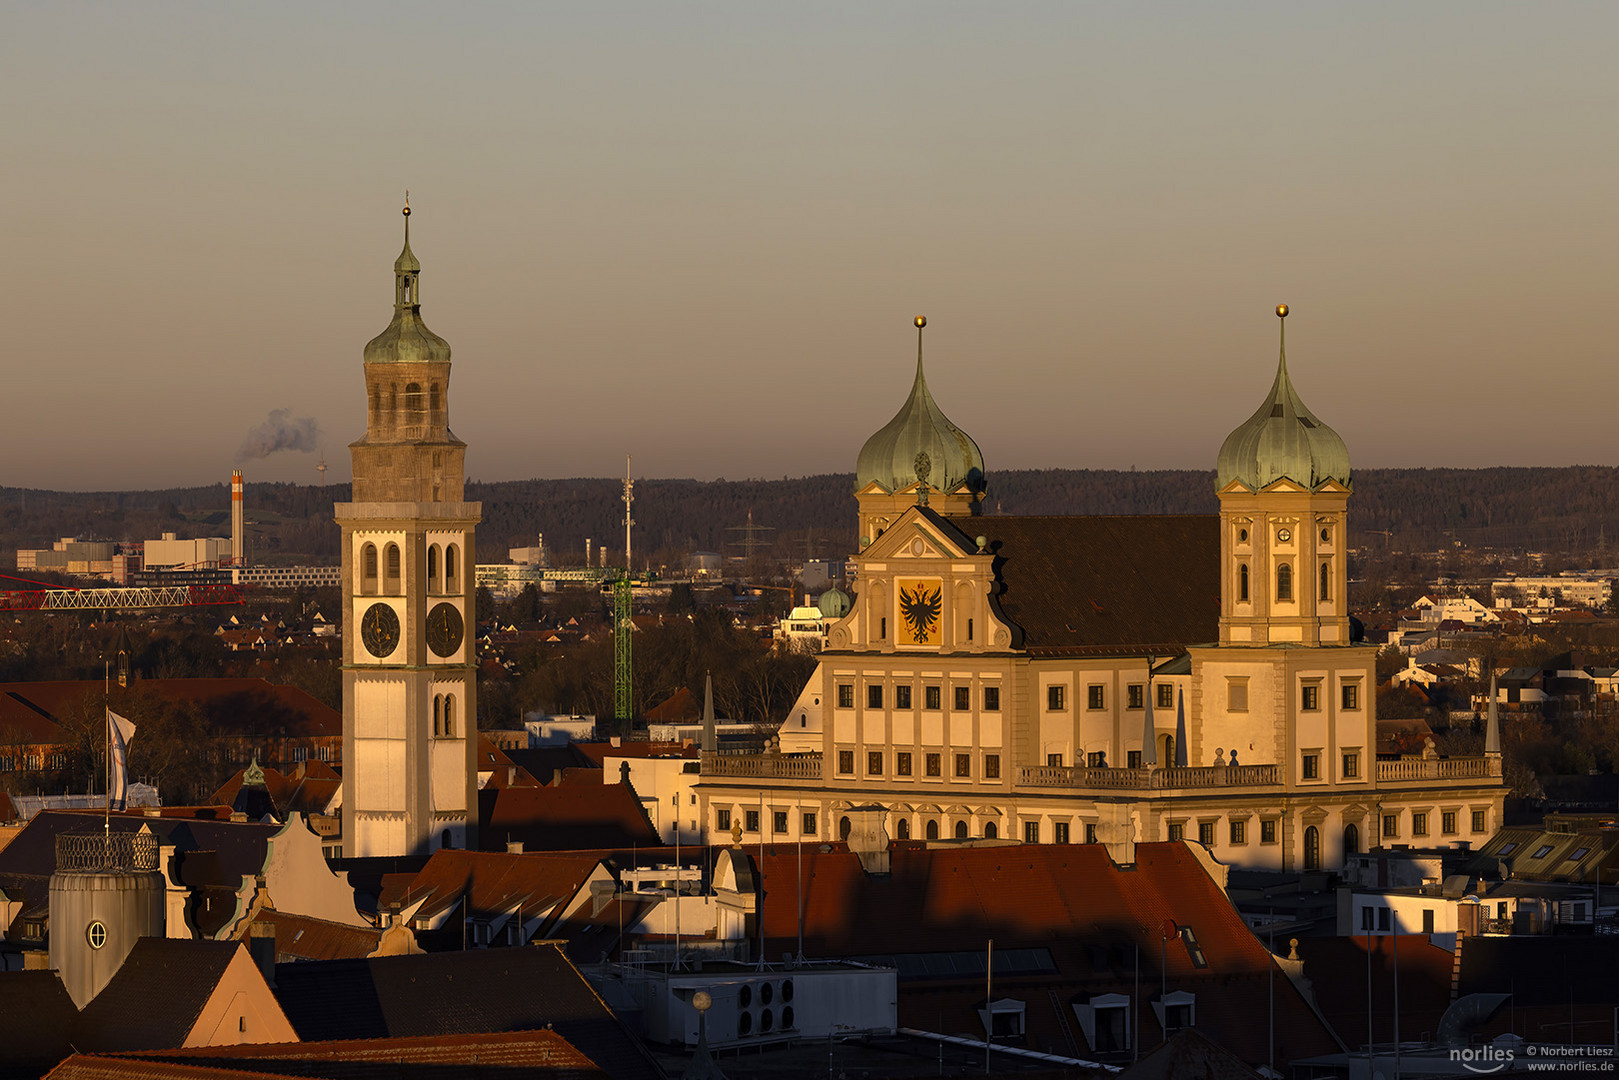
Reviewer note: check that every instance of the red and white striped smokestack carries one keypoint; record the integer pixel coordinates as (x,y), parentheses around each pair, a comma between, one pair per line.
(237,537)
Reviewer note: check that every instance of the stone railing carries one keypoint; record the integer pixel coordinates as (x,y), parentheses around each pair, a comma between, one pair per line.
(94,853)
(764,766)
(1437,768)
(1145,779)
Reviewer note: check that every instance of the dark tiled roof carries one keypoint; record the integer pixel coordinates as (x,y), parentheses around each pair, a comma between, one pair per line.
(434,1057)
(598,752)
(545,762)
(36,1023)
(1337,967)
(222,852)
(1089,585)
(678,707)
(1189,1055)
(306,790)
(154,999)
(299,937)
(459,993)
(576,813)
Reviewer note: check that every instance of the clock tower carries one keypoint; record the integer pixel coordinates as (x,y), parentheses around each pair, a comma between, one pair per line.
(409,673)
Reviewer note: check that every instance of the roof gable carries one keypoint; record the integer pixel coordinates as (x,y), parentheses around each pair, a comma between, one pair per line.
(919,534)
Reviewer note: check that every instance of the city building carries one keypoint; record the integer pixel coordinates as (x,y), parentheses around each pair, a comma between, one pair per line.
(1112,680)
(409,672)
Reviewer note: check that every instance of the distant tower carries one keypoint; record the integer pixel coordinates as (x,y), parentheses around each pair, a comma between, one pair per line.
(409,677)
(321,468)
(106,894)
(238,531)
(918,457)
(1283,482)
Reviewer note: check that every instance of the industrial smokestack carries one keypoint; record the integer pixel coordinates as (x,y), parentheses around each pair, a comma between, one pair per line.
(237,531)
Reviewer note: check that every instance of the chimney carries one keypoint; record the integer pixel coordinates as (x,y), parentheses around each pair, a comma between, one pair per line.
(237,537)
(514,847)
(261,945)
(868,837)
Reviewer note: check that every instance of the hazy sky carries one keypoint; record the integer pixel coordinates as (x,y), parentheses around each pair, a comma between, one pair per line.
(699,232)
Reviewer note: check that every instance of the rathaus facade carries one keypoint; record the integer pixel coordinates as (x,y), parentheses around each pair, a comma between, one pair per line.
(1107,680)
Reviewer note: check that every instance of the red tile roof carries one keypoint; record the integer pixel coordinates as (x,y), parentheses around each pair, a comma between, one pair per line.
(493,882)
(1096,919)
(299,937)
(120,1067)
(500,1051)
(308,789)
(578,812)
(682,705)
(233,706)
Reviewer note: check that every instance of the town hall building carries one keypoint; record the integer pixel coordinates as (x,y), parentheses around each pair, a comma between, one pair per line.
(1108,680)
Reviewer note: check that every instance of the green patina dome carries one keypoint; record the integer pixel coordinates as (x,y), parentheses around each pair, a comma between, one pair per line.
(1282,439)
(407,339)
(833,604)
(920,443)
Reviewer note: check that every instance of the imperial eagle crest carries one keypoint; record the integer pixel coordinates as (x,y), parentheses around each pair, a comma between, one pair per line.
(919,606)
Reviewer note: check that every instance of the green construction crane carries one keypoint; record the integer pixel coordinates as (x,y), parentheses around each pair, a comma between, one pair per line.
(623,672)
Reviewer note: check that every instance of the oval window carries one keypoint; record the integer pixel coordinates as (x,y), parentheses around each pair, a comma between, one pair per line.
(96,934)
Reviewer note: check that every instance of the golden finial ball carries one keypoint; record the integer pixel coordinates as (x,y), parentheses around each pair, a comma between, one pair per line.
(921,321)
(1281,311)
(407,211)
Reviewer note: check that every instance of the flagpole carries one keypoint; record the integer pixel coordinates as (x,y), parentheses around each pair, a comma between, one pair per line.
(106,739)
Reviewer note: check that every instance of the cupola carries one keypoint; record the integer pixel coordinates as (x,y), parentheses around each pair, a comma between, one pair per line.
(407,339)
(1283,439)
(920,444)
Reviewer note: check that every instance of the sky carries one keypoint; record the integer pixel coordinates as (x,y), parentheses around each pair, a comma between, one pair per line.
(698,233)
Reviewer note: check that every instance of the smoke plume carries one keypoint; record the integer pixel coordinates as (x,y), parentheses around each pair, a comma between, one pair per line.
(280,432)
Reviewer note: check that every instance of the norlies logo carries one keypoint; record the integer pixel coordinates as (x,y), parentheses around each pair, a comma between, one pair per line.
(1483,1059)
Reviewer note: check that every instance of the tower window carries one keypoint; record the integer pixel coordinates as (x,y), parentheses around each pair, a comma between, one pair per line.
(393,568)
(1284,582)
(438,715)
(432,401)
(1242,582)
(432,568)
(449,716)
(452,569)
(368,569)
(413,402)
(1326,581)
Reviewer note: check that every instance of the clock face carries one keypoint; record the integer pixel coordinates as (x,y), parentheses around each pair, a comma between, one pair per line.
(1284,535)
(444,629)
(379,630)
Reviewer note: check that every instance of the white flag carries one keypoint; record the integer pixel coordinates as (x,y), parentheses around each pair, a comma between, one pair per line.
(119,733)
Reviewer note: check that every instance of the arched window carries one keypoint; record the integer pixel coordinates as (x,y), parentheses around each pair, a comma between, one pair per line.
(961,830)
(902,830)
(1326,581)
(969,629)
(432,402)
(376,403)
(413,403)
(1166,751)
(1284,582)
(368,569)
(432,569)
(1312,848)
(990,831)
(392,568)
(932,830)
(1351,840)
(449,716)
(393,403)
(452,569)
(1242,583)
(844,828)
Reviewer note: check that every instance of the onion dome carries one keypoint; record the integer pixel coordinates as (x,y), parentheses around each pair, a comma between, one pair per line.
(1282,439)
(407,339)
(833,604)
(920,443)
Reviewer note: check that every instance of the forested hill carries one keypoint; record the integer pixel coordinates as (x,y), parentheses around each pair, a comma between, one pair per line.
(1573,511)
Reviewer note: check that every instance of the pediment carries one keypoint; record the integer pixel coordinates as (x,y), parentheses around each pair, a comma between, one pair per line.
(1284,486)
(1333,487)
(1236,487)
(873,488)
(916,535)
